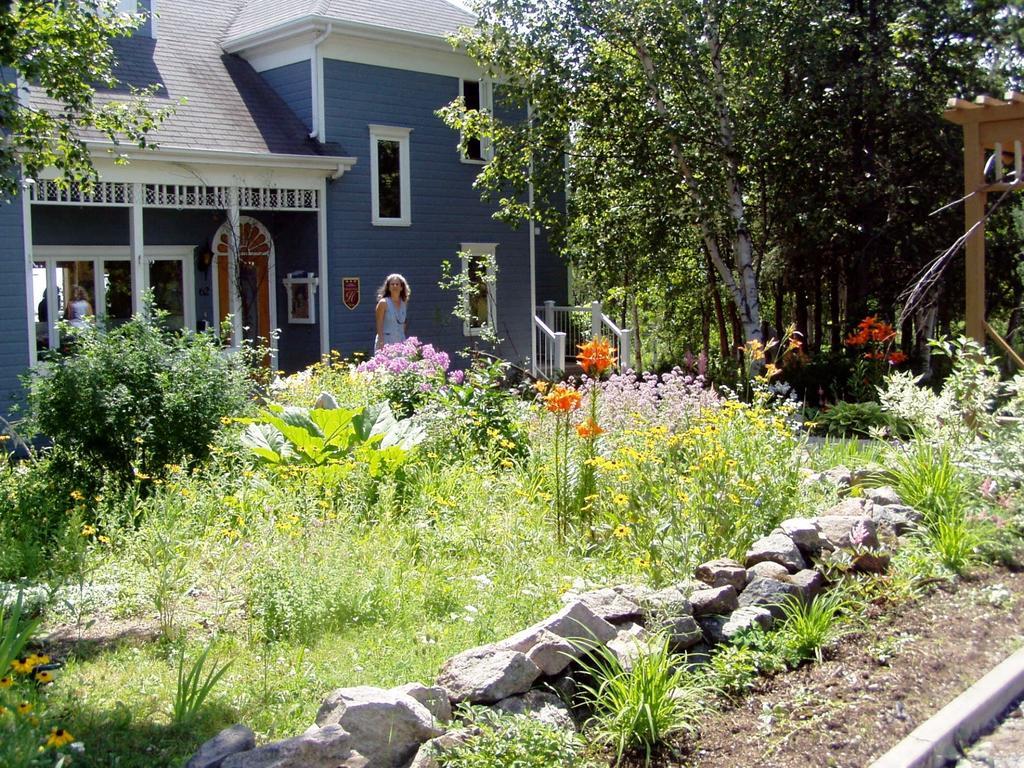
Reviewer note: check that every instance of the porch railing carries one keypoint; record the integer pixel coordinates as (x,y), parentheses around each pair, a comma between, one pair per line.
(560,330)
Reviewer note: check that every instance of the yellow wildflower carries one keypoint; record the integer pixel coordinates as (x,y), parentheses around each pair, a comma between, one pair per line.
(621,531)
(44,677)
(24,708)
(6,681)
(58,738)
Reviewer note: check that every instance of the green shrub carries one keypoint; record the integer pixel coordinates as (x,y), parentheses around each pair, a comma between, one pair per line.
(642,706)
(860,420)
(135,399)
(809,626)
(927,479)
(516,742)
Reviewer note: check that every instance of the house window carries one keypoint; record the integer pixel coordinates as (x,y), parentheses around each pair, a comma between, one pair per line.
(478,95)
(82,283)
(389,176)
(478,264)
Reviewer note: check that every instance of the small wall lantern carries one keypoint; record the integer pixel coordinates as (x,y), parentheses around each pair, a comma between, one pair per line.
(301,287)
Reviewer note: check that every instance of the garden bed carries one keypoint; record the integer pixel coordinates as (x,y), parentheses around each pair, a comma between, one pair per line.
(874,687)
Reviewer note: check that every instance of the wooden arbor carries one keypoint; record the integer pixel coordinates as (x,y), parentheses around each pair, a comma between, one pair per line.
(993,150)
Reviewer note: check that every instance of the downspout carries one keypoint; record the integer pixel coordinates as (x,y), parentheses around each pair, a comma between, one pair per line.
(533,264)
(316,78)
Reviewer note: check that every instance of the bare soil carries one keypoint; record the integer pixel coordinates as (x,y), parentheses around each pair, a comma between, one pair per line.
(873,688)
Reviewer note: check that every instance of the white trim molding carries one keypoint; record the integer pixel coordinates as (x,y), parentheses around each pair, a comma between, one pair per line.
(379,133)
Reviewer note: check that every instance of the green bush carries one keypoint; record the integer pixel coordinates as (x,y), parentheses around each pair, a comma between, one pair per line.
(859,420)
(519,741)
(130,401)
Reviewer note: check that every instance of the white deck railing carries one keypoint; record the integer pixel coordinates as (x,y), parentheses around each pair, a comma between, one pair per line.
(560,331)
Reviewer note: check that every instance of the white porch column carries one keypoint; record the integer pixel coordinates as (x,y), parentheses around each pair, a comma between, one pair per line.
(234,242)
(325,282)
(140,269)
(26,223)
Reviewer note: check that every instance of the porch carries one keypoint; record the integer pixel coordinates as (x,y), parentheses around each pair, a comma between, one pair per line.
(559,330)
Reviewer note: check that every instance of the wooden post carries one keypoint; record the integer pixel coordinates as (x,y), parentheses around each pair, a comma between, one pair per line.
(974,214)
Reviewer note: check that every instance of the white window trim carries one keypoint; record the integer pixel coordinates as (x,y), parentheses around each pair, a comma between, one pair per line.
(481,249)
(486,105)
(401,135)
(50,254)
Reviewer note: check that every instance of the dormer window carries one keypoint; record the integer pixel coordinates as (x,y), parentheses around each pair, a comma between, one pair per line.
(478,95)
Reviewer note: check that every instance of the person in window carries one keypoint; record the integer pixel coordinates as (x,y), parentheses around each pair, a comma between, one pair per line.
(392,307)
(78,308)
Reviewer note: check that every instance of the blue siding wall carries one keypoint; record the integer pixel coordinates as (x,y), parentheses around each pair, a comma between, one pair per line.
(14,352)
(293,84)
(446,211)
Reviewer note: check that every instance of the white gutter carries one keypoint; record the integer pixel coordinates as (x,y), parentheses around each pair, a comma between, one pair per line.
(316,65)
(335,166)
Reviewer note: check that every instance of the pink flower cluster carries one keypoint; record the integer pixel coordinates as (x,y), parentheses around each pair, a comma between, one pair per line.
(669,400)
(409,356)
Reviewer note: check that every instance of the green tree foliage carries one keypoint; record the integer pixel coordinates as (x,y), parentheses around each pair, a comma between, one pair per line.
(62,48)
(796,146)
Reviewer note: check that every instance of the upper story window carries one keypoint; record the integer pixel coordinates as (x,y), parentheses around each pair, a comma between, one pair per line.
(478,95)
(389,176)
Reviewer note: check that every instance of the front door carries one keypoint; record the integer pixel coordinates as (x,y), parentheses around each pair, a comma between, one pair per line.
(253,278)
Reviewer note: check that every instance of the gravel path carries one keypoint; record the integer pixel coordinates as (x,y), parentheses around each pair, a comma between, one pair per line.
(1003,747)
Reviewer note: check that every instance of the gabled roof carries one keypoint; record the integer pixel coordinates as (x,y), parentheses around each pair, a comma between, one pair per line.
(433,18)
(229,106)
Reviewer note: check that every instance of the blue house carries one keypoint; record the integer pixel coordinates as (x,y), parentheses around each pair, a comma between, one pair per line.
(305,164)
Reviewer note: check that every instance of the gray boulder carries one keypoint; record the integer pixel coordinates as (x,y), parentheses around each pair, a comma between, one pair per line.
(667,603)
(386,726)
(430,752)
(611,605)
(851,507)
(776,548)
(722,572)
(895,519)
(840,477)
(885,496)
(326,402)
(631,642)
(721,629)
(808,581)
(767,570)
(487,674)
(720,600)
(683,632)
(541,705)
(237,738)
(328,747)
(435,699)
(555,641)
(804,534)
(769,594)
(836,530)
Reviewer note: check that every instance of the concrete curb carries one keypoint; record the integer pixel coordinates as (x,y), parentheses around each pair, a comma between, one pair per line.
(936,741)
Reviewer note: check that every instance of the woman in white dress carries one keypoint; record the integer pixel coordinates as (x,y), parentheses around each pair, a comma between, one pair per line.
(78,308)
(392,309)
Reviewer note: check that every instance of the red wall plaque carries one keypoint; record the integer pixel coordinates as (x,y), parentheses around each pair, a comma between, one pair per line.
(350,291)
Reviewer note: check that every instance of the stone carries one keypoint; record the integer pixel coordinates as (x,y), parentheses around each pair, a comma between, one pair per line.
(237,738)
(638,593)
(611,605)
(631,642)
(804,534)
(835,530)
(326,402)
(721,629)
(667,603)
(577,628)
(851,507)
(895,519)
(840,477)
(767,570)
(429,753)
(719,600)
(884,496)
(552,653)
(770,594)
(540,705)
(682,632)
(808,581)
(435,699)
(387,727)
(776,548)
(329,747)
(487,674)
(722,572)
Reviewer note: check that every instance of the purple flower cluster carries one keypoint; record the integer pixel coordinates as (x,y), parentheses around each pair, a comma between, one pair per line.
(409,356)
(668,400)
